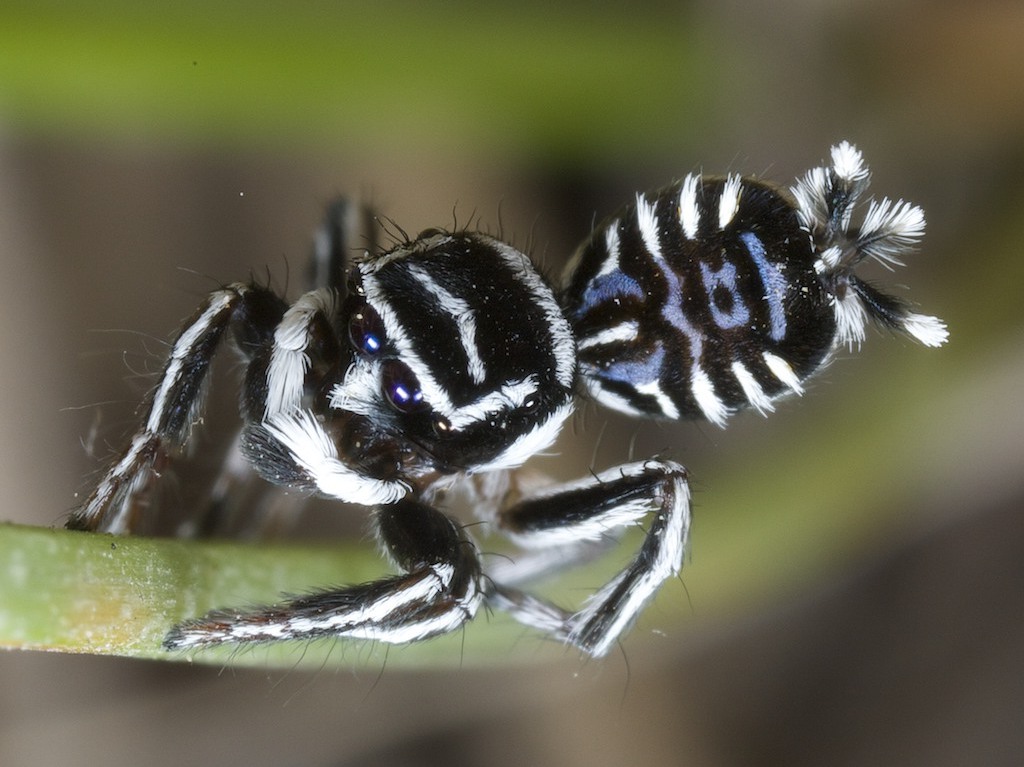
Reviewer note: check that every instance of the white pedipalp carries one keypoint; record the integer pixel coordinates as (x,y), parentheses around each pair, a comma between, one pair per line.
(313,451)
(289,362)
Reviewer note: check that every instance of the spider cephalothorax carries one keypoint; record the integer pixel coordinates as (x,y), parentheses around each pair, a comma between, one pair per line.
(449,356)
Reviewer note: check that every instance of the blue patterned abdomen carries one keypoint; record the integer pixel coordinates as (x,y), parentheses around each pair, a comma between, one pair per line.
(698,300)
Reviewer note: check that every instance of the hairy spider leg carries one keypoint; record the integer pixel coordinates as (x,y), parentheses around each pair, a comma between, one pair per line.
(171,409)
(438,591)
(590,510)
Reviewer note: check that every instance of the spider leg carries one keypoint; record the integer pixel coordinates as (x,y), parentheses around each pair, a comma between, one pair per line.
(438,590)
(235,494)
(171,409)
(585,512)
(348,227)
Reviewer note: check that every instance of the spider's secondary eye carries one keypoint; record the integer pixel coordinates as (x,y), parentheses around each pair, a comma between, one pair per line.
(442,426)
(401,387)
(366,330)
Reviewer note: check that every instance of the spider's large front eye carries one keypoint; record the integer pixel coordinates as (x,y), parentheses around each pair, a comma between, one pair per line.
(366,330)
(401,387)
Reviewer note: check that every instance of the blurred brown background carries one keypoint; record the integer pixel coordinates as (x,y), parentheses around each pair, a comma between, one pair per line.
(146,155)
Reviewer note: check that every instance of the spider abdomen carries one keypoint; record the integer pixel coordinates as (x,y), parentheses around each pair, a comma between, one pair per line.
(699,299)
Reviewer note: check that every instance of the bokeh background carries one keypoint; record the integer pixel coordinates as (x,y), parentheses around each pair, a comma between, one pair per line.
(855,592)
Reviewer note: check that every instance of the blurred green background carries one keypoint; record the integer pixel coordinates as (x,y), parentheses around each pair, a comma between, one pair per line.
(854,592)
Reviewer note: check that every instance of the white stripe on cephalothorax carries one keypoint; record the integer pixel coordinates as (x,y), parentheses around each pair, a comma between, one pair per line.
(510,396)
(539,438)
(563,343)
(433,393)
(462,314)
(360,392)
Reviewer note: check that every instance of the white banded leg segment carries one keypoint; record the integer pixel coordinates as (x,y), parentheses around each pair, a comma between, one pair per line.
(531,611)
(438,592)
(595,509)
(295,449)
(174,405)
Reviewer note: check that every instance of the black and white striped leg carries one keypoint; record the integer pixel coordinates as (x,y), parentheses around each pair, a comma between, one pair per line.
(589,511)
(348,228)
(438,591)
(175,404)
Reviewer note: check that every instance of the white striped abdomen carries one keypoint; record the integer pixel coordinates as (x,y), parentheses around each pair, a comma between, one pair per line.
(698,300)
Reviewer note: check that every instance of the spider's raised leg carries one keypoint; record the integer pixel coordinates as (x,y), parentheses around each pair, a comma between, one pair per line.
(176,403)
(348,228)
(590,510)
(438,591)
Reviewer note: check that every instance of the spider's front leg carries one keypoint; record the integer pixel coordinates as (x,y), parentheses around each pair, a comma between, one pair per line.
(175,404)
(438,590)
(588,511)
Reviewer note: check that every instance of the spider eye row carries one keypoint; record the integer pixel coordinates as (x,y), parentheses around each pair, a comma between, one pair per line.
(399,384)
